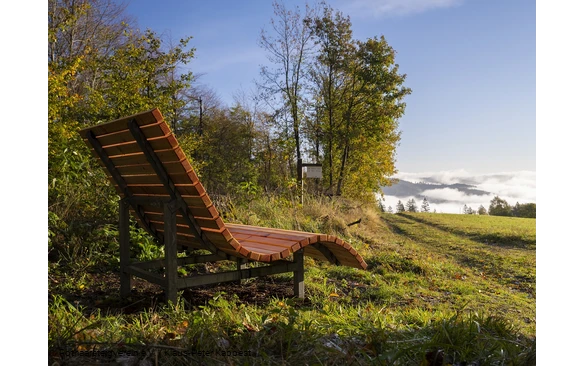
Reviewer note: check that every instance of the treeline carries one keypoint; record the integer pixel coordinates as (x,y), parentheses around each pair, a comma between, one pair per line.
(497,207)
(324,97)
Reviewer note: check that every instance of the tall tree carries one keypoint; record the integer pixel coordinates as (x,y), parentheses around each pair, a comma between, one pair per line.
(336,48)
(524,210)
(288,47)
(411,205)
(399,207)
(358,93)
(499,207)
(424,207)
(481,210)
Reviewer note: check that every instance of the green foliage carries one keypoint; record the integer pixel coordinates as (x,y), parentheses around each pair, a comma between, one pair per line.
(358,93)
(143,246)
(227,154)
(138,76)
(499,207)
(400,207)
(411,205)
(481,210)
(425,207)
(524,210)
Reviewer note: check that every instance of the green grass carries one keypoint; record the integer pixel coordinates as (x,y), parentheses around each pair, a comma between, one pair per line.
(460,288)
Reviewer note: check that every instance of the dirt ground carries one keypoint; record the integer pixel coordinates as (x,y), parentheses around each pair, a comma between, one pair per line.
(103,292)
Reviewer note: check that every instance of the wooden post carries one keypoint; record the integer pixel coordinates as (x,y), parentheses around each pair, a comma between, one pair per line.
(241,264)
(299,274)
(124,238)
(170,239)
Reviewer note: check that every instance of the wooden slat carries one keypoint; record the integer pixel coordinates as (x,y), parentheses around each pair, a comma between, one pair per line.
(160,190)
(264,229)
(142,119)
(139,179)
(212,223)
(159,143)
(280,234)
(165,156)
(151,131)
(271,241)
(174,167)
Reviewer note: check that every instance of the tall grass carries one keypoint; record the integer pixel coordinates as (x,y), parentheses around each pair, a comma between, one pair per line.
(433,294)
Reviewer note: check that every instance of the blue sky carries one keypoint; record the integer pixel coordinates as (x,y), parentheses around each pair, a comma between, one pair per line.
(471,66)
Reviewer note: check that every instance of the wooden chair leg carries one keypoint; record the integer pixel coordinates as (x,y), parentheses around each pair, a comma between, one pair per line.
(299,274)
(170,241)
(124,238)
(241,264)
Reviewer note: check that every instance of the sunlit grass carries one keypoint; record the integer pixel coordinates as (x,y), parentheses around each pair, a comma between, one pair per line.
(434,287)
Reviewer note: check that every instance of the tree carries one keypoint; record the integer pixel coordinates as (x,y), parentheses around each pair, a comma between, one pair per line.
(381,205)
(399,207)
(358,96)
(499,207)
(334,37)
(227,156)
(524,210)
(425,205)
(481,210)
(288,49)
(469,211)
(411,205)
(389,209)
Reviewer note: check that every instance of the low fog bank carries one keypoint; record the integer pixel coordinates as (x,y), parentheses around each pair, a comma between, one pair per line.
(449,191)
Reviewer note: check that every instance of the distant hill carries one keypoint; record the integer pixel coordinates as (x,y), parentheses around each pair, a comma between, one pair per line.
(408,189)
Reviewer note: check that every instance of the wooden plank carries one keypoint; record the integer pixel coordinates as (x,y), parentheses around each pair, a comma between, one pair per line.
(174,155)
(159,189)
(148,179)
(270,233)
(174,167)
(264,229)
(314,253)
(326,253)
(149,276)
(271,241)
(264,248)
(212,223)
(212,278)
(181,229)
(152,131)
(190,237)
(159,143)
(197,201)
(142,119)
(206,213)
(217,236)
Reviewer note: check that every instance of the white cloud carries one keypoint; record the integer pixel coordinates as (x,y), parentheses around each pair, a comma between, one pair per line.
(514,187)
(380,8)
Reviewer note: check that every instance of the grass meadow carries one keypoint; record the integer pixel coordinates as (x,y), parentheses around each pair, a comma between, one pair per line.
(440,289)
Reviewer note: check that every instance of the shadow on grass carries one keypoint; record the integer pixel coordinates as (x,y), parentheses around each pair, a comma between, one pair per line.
(102,293)
(500,240)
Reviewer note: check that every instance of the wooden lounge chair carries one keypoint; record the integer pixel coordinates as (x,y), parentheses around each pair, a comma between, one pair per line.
(159,187)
